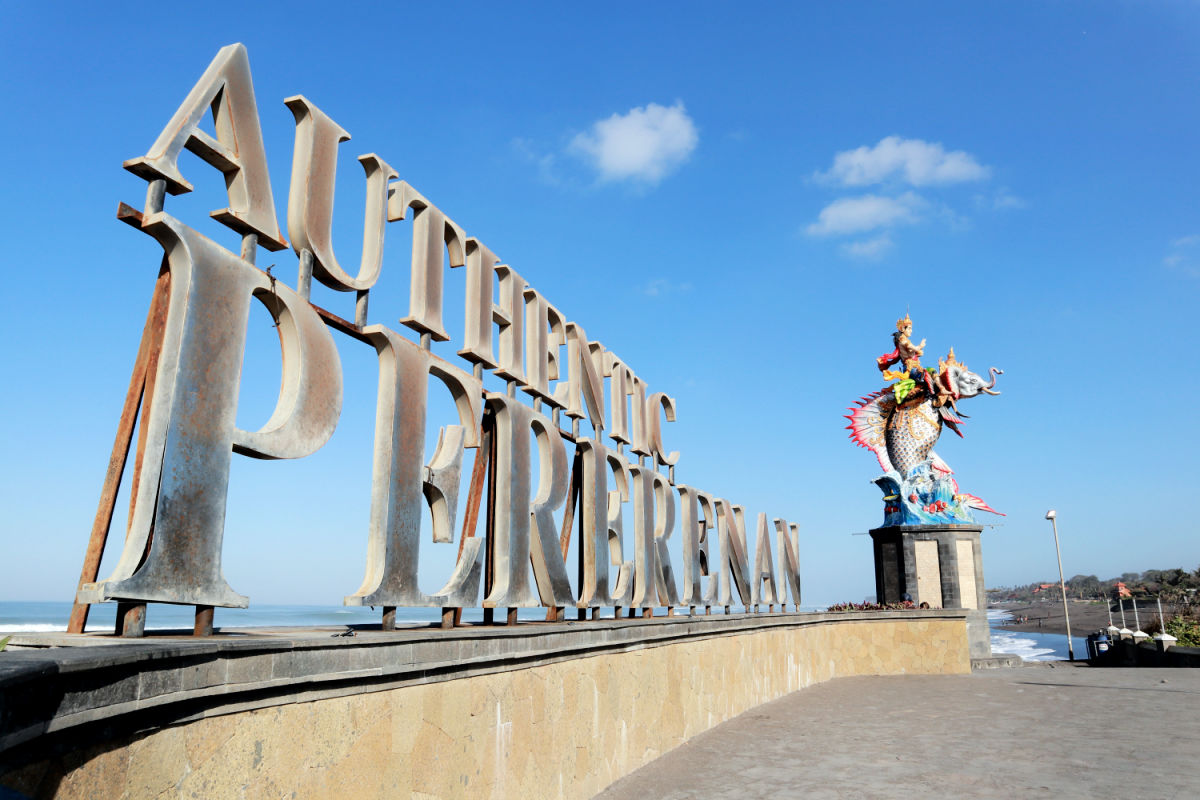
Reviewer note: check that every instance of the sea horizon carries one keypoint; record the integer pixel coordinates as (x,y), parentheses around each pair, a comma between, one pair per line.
(51,617)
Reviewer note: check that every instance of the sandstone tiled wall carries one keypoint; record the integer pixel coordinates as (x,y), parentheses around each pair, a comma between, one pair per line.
(563,729)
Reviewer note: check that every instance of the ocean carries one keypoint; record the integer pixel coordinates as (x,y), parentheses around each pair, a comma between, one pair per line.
(1033,646)
(26,617)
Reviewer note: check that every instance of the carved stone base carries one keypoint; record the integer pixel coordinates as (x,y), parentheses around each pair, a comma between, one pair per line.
(937,564)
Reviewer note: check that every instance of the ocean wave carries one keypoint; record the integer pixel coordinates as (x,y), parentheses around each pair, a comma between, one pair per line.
(32,627)
(1032,646)
(49,627)
(1013,643)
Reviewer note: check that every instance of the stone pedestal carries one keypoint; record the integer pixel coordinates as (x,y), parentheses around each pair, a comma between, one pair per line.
(937,564)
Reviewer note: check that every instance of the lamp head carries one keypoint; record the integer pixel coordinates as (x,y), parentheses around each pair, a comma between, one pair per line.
(1051,514)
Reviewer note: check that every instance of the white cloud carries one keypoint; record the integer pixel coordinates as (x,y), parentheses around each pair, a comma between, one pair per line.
(661,286)
(643,145)
(866,212)
(1006,199)
(868,249)
(545,162)
(1184,256)
(913,161)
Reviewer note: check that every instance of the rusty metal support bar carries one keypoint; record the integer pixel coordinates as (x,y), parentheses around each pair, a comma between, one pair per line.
(479,471)
(204,621)
(448,615)
(304,279)
(489,561)
(568,523)
(147,354)
(156,194)
(131,620)
(361,300)
(389,618)
(342,325)
(155,333)
(249,247)
(581,560)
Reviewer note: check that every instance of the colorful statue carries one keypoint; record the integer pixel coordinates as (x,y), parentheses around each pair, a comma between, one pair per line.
(901,423)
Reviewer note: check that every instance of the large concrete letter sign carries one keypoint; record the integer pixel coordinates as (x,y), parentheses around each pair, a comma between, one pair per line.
(508,314)
(735,567)
(190,429)
(477,325)
(226,88)
(664,524)
(654,404)
(399,475)
(310,200)
(594,513)
(544,333)
(617,497)
(514,509)
(433,234)
(764,588)
(549,569)
(585,384)
(189,373)
(690,522)
(710,556)
(645,583)
(787,545)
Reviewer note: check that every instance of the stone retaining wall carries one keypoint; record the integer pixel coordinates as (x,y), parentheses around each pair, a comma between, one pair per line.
(525,712)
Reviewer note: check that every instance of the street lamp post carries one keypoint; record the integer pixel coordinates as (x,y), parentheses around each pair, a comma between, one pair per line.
(1052,516)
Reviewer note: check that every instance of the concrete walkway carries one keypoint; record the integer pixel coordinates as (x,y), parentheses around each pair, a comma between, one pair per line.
(1065,730)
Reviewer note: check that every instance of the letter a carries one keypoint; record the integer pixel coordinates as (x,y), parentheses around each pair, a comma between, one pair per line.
(237,152)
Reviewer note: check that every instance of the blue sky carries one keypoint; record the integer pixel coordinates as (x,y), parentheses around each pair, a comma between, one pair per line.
(739,200)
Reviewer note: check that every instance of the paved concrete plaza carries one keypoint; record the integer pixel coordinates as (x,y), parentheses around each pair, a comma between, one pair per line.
(1066,730)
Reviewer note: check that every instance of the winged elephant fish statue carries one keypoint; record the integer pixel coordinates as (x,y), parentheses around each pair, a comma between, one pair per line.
(901,424)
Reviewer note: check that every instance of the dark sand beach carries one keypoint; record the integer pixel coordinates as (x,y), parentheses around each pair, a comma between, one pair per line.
(1086,617)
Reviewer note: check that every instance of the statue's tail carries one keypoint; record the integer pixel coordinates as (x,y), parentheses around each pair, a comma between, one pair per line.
(971,501)
(868,419)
